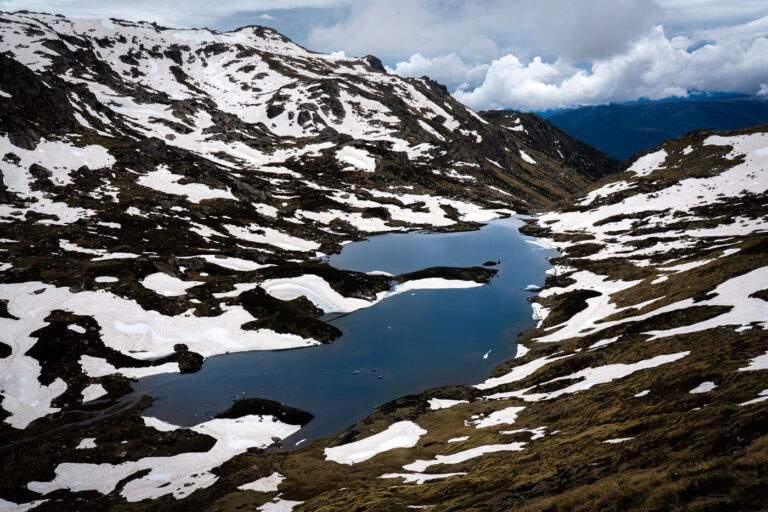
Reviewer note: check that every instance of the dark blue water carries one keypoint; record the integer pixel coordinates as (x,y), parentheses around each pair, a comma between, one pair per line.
(402,345)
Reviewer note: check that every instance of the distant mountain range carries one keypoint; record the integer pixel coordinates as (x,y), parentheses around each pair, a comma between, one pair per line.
(624,129)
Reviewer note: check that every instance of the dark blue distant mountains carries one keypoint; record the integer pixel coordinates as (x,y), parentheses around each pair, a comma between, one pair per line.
(624,129)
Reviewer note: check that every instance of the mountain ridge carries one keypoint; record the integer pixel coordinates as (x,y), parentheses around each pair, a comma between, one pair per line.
(554,141)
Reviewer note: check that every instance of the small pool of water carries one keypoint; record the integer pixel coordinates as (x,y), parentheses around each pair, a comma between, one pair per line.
(403,345)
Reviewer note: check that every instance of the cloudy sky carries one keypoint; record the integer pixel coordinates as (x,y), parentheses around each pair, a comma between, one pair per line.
(526,54)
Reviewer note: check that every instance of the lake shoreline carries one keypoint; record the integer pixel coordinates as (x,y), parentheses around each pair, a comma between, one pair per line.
(373,375)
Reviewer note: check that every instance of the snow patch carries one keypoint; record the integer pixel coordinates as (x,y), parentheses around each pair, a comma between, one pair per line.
(403,434)
(443,403)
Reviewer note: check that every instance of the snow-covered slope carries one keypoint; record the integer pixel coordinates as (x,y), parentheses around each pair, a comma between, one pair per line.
(168,195)
(644,387)
(152,178)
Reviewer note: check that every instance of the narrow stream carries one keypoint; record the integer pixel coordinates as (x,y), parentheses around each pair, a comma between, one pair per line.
(403,345)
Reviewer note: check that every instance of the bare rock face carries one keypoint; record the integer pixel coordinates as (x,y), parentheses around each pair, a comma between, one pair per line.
(532,130)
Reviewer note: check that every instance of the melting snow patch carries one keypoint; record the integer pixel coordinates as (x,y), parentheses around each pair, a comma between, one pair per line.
(239,288)
(314,288)
(521,351)
(704,387)
(98,367)
(163,180)
(597,308)
(526,157)
(756,363)
(536,433)
(443,403)
(433,283)
(590,377)
(761,397)
(159,424)
(279,505)
(505,416)
(93,391)
(168,286)
(539,313)
(420,466)
(231,263)
(646,164)
(519,372)
(735,292)
(271,236)
(420,478)
(618,440)
(321,294)
(9,506)
(266,484)
(116,256)
(86,444)
(357,159)
(494,162)
(179,475)
(403,434)
(61,158)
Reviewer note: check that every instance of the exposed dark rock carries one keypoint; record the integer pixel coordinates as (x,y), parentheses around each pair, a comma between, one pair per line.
(555,143)
(261,407)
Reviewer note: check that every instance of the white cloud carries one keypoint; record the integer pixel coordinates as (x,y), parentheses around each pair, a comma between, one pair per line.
(739,32)
(485,29)
(653,67)
(710,13)
(449,69)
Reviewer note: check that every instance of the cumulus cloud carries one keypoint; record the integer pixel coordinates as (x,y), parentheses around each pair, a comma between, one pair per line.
(486,29)
(449,69)
(653,67)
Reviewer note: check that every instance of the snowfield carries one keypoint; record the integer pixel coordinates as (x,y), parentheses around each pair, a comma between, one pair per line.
(179,475)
